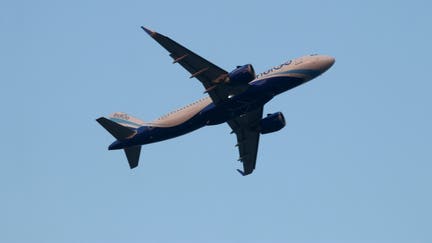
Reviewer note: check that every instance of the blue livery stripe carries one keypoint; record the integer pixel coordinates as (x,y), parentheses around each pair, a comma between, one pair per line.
(309,72)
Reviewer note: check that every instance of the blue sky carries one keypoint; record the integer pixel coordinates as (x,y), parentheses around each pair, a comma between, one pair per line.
(353,163)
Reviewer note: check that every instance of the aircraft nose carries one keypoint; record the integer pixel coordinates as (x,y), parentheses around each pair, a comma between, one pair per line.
(326,62)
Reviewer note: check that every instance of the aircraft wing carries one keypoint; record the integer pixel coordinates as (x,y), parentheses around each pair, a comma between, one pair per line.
(246,129)
(210,75)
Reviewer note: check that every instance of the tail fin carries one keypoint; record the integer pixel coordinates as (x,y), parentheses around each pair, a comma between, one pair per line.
(126,120)
(118,131)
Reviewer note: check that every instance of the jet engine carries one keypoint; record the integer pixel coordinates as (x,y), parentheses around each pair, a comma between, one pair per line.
(242,74)
(272,123)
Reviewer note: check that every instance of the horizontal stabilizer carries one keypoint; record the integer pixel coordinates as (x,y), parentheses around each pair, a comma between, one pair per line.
(241,172)
(118,131)
(133,154)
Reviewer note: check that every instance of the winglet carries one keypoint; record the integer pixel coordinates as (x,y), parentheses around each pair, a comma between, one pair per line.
(148,31)
(241,172)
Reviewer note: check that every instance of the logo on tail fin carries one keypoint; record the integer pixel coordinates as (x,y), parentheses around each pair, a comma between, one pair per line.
(126,120)
(121,115)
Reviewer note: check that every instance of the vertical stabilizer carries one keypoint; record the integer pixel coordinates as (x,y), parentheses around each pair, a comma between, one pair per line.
(126,120)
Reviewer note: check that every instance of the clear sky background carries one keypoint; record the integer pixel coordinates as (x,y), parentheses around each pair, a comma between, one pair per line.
(353,164)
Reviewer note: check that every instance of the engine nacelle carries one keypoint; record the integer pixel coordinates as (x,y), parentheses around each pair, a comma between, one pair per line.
(242,74)
(272,123)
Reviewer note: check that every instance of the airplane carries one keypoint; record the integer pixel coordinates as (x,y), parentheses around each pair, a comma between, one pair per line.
(237,98)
